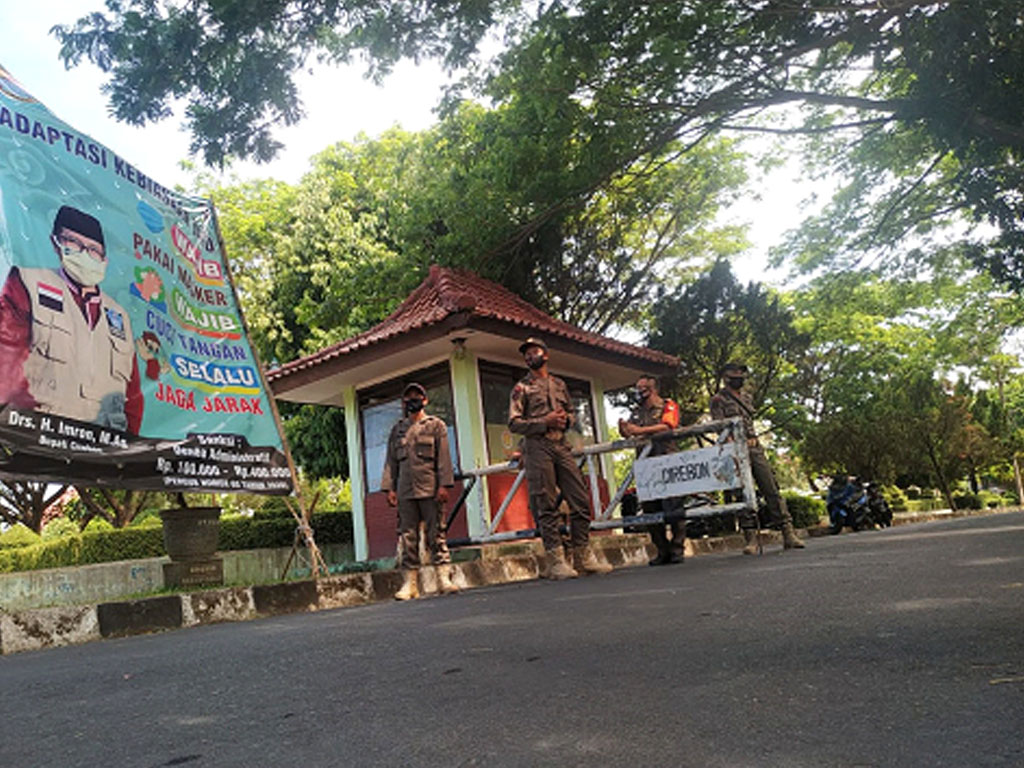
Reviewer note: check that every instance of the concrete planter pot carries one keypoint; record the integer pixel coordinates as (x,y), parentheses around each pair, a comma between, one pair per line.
(190,533)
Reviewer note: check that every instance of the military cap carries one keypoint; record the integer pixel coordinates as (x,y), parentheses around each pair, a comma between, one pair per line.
(533,341)
(412,385)
(733,366)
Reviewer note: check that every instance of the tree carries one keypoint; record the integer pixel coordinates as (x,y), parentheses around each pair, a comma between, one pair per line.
(870,395)
(28,502)
(316,434)
(715,320)
(234,63)
(255,217)
(593,260)
(937,424)
(998,406)
(602,84)
(119,508)
(371,217)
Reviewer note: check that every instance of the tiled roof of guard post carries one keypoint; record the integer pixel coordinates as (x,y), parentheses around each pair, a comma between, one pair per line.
(447,292)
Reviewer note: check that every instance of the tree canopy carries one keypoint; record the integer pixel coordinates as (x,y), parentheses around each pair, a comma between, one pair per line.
(605,83)
(371,216)
(715,320)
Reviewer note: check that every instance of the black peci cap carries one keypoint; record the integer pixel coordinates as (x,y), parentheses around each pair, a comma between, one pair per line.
(78,221)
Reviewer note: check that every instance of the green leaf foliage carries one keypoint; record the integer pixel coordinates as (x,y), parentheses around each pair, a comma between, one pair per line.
(923,97)
(131,543)
(807,511)
(715,320)
(18,535)
(59,527)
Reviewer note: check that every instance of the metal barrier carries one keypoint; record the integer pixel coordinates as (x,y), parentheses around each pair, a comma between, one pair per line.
(733,474)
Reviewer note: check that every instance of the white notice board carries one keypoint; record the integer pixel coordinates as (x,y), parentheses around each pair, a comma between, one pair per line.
(687,472)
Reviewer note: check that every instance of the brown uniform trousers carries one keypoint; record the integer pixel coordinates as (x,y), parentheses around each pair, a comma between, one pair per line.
(417,464)
(647,416)
(548,461)
(727,404)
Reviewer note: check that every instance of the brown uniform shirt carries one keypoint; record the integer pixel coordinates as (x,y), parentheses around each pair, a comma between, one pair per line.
(727,404)
(417,461)
(533,398)
(648,415)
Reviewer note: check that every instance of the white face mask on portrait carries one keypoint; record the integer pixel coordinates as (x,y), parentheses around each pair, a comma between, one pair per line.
(82,267)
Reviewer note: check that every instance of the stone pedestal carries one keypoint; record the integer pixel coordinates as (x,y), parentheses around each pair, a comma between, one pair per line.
(194,573)
(190,533)
(190,537)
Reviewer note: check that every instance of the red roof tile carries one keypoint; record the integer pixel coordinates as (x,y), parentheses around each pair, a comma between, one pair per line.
(448,291)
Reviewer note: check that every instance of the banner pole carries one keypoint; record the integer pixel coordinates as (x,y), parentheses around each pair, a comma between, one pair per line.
(302,517)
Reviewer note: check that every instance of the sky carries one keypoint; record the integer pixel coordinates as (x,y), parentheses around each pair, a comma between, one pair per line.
(340,104)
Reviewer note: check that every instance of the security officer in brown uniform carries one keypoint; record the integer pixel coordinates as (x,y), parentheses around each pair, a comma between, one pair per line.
(655,414)
(540,409)
(417,476)
(731,401)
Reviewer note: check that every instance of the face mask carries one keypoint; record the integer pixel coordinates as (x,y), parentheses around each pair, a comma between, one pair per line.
(81,267)
(413,405)
(640,397)
(535,362)
(734,382)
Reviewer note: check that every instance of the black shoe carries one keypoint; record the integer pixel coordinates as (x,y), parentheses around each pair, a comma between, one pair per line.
(663,558)
(673,559)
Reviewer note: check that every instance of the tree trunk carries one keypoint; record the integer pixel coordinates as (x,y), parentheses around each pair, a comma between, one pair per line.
(1017,477)
(940,477)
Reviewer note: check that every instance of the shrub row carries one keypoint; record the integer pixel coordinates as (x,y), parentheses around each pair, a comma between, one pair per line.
(135,542)
(898,500)
(237,532)
(967,501)
(806,510)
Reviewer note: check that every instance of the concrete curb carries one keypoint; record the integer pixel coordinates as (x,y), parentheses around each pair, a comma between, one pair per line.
(40,628)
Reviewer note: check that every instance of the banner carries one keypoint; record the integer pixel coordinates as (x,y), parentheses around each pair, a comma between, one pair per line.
(123,356)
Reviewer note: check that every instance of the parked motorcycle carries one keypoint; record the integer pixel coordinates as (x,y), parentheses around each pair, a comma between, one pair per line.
(879,511)
(847,504)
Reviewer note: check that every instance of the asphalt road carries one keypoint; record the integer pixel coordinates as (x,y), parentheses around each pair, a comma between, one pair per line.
(888,648)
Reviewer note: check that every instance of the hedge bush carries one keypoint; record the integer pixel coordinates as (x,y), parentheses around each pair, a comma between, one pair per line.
(18,535)
(967,501)
(60,527)
(897,499)
(806,510)
(990,500)
(926,505)
(236,532)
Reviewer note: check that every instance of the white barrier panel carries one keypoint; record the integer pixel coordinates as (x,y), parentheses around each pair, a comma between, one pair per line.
(701,470)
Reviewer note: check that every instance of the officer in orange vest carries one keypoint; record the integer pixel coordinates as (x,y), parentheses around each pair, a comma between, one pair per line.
(652,415)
